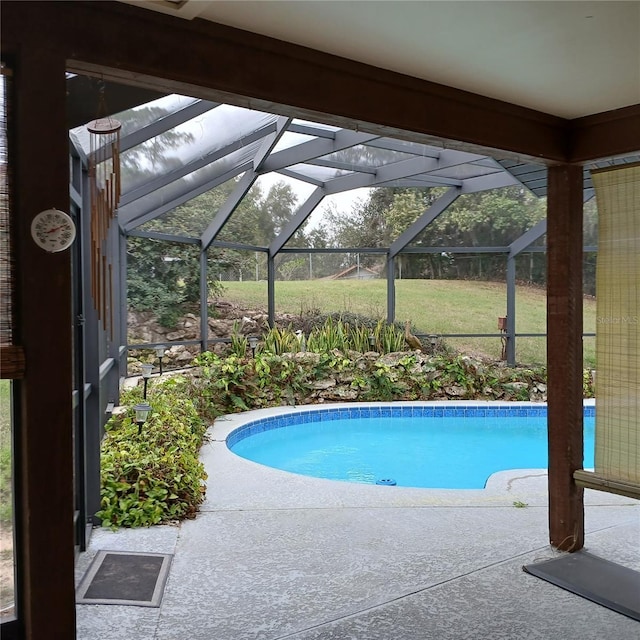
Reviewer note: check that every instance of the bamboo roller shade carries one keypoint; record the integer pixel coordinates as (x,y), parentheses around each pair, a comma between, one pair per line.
(617,439)
(11,355)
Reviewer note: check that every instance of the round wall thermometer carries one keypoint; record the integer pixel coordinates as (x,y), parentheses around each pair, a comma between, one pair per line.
(53,230)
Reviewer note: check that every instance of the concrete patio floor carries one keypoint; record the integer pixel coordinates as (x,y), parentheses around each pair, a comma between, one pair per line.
(274,555)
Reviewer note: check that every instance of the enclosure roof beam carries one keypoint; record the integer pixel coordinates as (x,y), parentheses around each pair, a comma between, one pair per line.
(404,169)
(166,237)
(160,126)
(387,173)
(345,166)
(311,130)
(239,246)
(453,158)
(130,220)
(167,178)
(299,176)
(417,148)
(450,159)
(489,181)
(343,139)
(333,250)
(297,221)
(409,234)
(193,110)
(454,250)
(247,181)
(349,182)
(224,213)
(422,182)
(281,126)
(527,238)
(434,250)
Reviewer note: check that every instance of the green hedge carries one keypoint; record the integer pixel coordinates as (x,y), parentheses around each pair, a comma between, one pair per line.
(154,476)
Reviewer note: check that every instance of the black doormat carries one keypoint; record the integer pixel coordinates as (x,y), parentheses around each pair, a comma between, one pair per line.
(602,581)
(125,577)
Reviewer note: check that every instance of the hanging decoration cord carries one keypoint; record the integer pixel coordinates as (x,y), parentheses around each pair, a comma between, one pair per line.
(105,188)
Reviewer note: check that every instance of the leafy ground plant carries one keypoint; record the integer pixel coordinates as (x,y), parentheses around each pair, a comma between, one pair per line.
(153,476)
(231,384)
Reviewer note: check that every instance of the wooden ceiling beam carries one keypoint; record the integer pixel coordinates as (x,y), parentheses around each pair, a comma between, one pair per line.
(128,44)
(135,46)
(605,135)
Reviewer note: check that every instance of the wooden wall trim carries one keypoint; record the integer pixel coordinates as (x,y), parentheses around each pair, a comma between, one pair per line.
(170,54)
(11,362)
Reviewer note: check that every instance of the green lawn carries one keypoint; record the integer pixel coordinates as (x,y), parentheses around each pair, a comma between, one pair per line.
(6,502)
(433,306)
(5,452)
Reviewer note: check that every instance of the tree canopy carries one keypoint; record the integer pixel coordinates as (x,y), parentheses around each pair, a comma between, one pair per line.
(164,276)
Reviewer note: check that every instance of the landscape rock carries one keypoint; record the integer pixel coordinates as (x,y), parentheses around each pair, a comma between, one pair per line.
(323,384)
(517,386)
(341,393)
(392,359)
(455,391)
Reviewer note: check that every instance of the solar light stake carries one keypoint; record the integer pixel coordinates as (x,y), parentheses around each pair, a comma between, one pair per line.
(160,351)
(142,413)
(253,343)
(372,342)
(146,374)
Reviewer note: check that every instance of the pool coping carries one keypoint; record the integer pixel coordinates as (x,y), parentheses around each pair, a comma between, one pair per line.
(328,413)
(254,483)
(227,424)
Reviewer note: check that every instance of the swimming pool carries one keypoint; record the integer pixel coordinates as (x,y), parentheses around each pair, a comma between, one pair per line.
(429,446)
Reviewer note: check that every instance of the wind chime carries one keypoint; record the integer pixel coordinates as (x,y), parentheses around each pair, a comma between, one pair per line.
(104,179)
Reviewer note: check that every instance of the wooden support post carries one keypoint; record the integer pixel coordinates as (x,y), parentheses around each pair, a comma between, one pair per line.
(44,449)
(564,355)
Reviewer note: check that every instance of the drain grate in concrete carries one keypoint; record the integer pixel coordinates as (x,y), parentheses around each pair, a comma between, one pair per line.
(125,577)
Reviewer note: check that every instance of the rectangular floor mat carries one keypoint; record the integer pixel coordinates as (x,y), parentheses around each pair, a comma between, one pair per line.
(125,577)
(596,579)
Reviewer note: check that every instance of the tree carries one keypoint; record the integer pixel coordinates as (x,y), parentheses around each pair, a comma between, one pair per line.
(152,157)
(492,218)
(162,277)
(165,276)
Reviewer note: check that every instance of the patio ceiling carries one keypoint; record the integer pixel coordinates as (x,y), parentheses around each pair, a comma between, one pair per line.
(569,59)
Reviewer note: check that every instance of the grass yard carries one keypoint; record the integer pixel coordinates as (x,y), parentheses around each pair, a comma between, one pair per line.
(5,452)
(433,306)
(6,510)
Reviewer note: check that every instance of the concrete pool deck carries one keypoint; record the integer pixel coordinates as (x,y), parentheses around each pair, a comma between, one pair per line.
(274,555)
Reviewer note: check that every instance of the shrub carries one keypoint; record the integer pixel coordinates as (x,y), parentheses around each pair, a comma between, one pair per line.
(154,476)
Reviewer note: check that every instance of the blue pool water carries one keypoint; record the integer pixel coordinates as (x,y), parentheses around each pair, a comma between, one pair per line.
(415,447)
